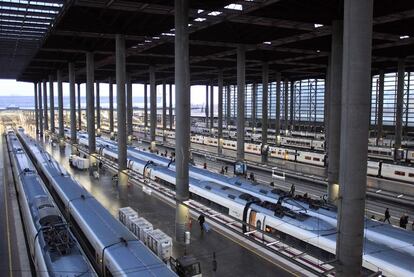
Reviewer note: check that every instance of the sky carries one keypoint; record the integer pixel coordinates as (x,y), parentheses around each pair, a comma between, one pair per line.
(13,88)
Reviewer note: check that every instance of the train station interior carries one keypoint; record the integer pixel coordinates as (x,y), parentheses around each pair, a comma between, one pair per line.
(207,138)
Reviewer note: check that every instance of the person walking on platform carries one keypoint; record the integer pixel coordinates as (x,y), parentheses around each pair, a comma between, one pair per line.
(292,190)
(387,216)
(404,221)
(201,221)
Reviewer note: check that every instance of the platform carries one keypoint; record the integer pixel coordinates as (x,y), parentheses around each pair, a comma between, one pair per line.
(14,259)
(232,258)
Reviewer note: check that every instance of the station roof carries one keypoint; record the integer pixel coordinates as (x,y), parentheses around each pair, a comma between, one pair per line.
(293,36)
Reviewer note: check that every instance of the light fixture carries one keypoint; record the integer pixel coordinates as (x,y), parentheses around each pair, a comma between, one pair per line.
(200,19)
(404,37)
(214,13)
(316,25)
(267,42)
(233,6)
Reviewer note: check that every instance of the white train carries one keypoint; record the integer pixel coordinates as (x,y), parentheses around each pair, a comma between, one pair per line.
(113,250)
(272,215)
(53,248)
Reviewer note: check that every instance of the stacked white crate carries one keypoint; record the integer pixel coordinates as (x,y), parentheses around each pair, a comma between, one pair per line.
(126,214)
(160,243)
(140,227)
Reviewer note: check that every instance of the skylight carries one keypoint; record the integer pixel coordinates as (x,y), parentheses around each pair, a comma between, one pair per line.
(404,37)
(267,42)
(214,13)
(236,7)
(200,19)
(316,25)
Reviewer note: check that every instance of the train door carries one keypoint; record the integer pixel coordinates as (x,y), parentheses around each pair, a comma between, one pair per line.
(257,222)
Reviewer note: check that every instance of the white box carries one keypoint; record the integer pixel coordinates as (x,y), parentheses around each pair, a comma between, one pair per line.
(125,215)
(140,227)
(160,244)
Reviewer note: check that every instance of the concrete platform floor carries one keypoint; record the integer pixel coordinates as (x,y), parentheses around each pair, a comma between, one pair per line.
(232,258)
(14,260)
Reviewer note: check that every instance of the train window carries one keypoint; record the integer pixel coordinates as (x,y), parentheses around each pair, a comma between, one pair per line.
(259,225)
(400,173)
(231,196)
(411,175)
(208,187)
(316,159)
(308,158)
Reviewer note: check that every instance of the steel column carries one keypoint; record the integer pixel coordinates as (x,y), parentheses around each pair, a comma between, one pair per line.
(164,109)
(60,105)
(129,106)
(120,103)
(380,105)
(145,108)
(335,110)
(46,124)
(265,95)
(39,101)
(286,105)
(356,82)
(228,102)
(52,105)
(90,109)
(153,106)
(170,113)
(36,108)
(207,108)
(277,122)
(241,84)
(211,107)
(183,117)
(72,102)
(220,113)
(98,107)
(79,108)
(111,105)
(254,92)
(400,103)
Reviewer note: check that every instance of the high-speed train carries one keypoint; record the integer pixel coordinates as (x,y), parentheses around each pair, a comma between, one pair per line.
(52,246)
(112,249)
(301,222)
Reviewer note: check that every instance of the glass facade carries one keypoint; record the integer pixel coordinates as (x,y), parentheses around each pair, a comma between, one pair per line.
(309,101)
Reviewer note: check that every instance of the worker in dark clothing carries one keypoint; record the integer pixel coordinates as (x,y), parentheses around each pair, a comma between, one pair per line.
(201,221)
(222,170)
(252,176)
(205,165)
(226,168)
(387,216)
(292,190)
(404,221)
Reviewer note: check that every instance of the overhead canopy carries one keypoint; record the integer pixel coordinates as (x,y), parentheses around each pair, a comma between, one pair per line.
(294,37)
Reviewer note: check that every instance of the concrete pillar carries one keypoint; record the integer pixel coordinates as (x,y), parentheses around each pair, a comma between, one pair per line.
(380,105)
(153,106)
(98,108)
(164,108)
(291,117)
(356,82)
(121,106)
(170,113)
(39,101)
(286,104)
(254,93)
(400,103)
(45,115)
(183,116)
(241,84)
(327,95)
(129,105)
(277,122)
(36,108)
(79,108)
(335,111)
(207,108)
(211,107)
(145,108)
(60,105)
(90,109)
(52,105)
(111,105)
(228,108)
(72,103)
(265,93)
(220,113)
